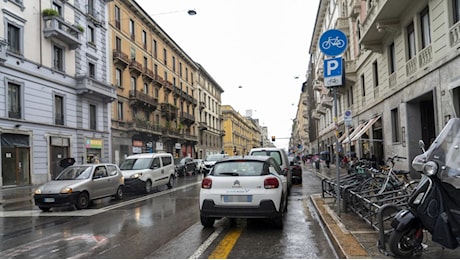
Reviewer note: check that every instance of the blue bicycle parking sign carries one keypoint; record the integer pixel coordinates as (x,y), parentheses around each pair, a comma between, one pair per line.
(333,42)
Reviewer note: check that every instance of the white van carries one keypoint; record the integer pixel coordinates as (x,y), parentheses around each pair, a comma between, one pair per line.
(280,156)
(144,171)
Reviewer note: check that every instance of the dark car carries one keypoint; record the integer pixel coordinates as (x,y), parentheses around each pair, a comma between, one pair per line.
(296,169)
(185,166)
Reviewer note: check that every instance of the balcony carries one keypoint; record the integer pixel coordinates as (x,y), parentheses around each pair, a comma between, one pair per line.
(320,110)
(135,68)
(148,75)
(177,92)
(140,99)
(168,86)
(158,80)
(88,86)
(202,126)
(318,85)
(355,8)
(186,118)
(315,115)
(202,105)
(382,17)
(120,58)
(305,114)
(3,47)
(327,101)
(143,125)
(343,24)
(168,111)
(55,28)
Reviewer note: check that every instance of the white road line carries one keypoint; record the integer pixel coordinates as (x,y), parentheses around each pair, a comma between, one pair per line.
(206,243)
(88,212)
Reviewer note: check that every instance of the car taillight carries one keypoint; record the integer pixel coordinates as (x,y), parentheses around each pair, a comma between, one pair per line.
(271,183)
(206,183)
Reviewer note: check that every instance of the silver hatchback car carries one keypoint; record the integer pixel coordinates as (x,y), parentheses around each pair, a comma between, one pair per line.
(80,184)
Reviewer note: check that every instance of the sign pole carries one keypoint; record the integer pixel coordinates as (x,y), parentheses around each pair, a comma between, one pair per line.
(337,163)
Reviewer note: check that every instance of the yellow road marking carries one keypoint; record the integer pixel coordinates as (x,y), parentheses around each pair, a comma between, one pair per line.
(225,246)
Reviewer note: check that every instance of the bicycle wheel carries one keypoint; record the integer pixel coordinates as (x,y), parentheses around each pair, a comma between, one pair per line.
(367,192)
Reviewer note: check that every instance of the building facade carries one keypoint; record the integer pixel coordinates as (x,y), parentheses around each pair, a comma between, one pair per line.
(401,81)
(209,115)
(155,81)
(56,96)
(241,133)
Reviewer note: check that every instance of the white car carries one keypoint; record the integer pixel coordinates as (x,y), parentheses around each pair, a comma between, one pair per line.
(145,171)
(244,187)
(210,160)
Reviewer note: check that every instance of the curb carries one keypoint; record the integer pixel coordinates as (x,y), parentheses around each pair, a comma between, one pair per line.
(345,244)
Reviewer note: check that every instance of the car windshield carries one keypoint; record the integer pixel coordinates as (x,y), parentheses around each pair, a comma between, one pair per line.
(136,164)
(75,173)
(214,157)
(178,161)
(238,168)
(275,154)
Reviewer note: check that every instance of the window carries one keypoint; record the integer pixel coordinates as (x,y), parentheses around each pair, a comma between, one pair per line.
(118,77)
(117,17)
(180,69)
(58,58)
(91,35)
(146,88)
(90,7)
(132,29)
(425,27)
(144,39)
(120,110)
(456,11)
(165,57)
(395,125)
(133,53)
(410,41)
(58,110)
(146,62)
(155,49)
(363,86)
(391,58)
(118,44)
(375,72)
(91,70)
(133,83)
(92,117)
(57,7)
(157,93)
(14,101)
(174,64)
(14,39)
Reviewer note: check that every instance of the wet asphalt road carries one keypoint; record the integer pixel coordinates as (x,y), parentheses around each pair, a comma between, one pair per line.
(163,224)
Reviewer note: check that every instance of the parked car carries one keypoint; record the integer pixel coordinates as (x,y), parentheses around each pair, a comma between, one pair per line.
(199,165)
(145,171)
(185,166)
(280,156)
(296,169)
(211,159)
(244,187)
(80,184)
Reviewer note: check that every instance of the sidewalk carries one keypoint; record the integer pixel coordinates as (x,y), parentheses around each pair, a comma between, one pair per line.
(352,237)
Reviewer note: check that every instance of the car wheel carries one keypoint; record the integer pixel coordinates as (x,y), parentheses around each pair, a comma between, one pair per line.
(278,221)
(45,209)
(171,182)
(148,186)
(207,222)
(82,201)
(119,194)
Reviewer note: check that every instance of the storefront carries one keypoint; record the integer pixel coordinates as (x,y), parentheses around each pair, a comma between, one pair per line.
(93,150)
(15,159)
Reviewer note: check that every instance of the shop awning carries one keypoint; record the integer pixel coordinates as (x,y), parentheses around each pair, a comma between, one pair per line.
(365,128)
(355,131)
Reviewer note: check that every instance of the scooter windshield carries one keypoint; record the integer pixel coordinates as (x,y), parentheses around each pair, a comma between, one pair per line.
(445,152)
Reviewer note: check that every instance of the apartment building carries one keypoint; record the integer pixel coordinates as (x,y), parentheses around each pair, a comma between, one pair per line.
(155,80)
(241,133)
(56,97)
(209,115)
(401,81)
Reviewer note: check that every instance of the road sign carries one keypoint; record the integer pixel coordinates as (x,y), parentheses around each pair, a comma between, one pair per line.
(333,72)
(347,119)
(333,42)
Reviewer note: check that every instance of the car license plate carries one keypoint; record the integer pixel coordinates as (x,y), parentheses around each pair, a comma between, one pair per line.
(48,200)
(237,198)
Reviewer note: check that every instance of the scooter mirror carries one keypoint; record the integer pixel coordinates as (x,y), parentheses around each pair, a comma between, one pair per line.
(421,144)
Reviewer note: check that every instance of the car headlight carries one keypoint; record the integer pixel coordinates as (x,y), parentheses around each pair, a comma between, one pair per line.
(38,191)
(136,175)
(430,168)
(66,190)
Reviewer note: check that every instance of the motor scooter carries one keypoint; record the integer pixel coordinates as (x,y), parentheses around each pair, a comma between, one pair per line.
(434,205)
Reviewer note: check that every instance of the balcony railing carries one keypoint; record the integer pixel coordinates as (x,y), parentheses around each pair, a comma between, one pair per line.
(135,67)
(143,100)
(168,111)
(3,48)
(187,118)
(454,33)
(56,28)
(89,86)
(120,58)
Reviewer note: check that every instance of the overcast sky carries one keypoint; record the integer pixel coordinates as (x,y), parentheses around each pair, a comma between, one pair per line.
(260,45)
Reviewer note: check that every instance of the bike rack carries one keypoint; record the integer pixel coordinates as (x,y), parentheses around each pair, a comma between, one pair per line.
(381,244)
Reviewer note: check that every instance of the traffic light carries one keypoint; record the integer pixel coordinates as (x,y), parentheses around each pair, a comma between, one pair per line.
(273,138)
